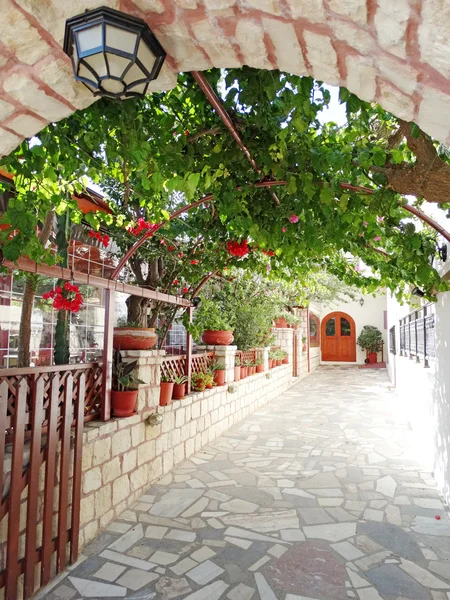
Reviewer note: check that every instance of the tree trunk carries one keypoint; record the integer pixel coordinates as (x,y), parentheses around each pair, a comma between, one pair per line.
(61,351)
(137,310)
(23,359)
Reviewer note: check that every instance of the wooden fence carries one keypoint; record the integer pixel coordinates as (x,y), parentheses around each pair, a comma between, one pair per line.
(246,356)
(176,365)
(41,478)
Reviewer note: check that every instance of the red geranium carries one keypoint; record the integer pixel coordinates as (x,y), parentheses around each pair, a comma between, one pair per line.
(185,290)
(142,225)
(175,282)
(268,252)
(238,249)
(194,262)
(66,298)
(104,239)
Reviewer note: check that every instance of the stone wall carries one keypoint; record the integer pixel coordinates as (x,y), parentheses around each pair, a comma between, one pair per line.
(395,53)
(123,457)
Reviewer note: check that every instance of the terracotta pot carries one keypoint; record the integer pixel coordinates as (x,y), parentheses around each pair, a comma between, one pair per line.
(304,348)
(372,358)
(281,323)
(285,360)
(237,373)
(123,404)
(252,370)
(244,372)
(134,338)
(260,368)
(279,361)
(179,391)
(270,363)
(165,393)
(217,338)
(219,377)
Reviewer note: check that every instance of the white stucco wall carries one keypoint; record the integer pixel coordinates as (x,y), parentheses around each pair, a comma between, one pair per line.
(425,392)
(371,313)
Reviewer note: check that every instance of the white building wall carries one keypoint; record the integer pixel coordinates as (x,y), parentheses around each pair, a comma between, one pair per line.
(370,313)
(425,392)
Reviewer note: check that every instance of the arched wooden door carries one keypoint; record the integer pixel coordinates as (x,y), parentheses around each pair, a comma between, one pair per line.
(338,338)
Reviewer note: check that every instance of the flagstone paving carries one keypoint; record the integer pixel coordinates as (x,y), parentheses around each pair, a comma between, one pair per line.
(315,496)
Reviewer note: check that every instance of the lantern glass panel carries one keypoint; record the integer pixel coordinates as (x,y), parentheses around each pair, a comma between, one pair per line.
(90,38)
(84,72)
(116,64)
(98,63)
(139,89)
(113,85)
(121,39)
(134,74)
(146,56)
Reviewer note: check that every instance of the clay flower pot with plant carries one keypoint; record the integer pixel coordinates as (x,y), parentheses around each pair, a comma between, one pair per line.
(303,344)
(201,381)
(259,366)
(124,393)
(179,387)
(128,335)
(272,359)
(371,340)
(213,324)
(237,368)
(285,359)
(166,389)
(218,371)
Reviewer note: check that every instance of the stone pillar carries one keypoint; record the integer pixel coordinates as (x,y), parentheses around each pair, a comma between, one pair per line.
(284,338)
(225,356)
(148,370)
(263,354)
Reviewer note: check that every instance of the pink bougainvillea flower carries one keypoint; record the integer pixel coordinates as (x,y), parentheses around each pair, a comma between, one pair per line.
(268,268)
(365,223)
(162,242)
(180,255)
(357,268)
(293,219)
(380,219)
(283,229)
(377,238)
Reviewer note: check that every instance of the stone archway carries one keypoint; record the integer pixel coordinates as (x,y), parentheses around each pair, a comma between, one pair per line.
(396,53)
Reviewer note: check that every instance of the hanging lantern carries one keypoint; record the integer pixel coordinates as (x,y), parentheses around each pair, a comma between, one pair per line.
(114,54)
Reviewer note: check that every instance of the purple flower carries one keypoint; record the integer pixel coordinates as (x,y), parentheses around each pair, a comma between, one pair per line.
(357,268)
(293,219)
(380,219)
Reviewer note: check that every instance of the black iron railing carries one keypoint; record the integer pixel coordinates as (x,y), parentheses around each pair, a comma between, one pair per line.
(417,335)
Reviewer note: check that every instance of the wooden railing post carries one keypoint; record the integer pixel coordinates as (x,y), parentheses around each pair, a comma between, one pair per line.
(188,362)
(107,355)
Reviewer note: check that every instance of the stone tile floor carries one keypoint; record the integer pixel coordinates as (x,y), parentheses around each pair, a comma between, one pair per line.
(315,496)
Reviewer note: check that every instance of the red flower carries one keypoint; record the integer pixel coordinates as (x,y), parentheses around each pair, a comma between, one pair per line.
(268,252)
(186,133)
(185,290)
(58,290)
(105,240)
(66,298)
(238,249)
(175,282)
(170,248)
(142,225)
(162,242)
(194,262)
(180,255)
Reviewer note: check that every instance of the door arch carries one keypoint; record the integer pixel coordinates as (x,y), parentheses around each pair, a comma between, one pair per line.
(338,338)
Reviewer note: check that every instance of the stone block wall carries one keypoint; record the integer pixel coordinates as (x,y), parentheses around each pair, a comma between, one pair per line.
(123,457)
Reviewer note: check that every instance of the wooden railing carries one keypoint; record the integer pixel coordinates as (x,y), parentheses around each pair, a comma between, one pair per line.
(246,356)
(11,378)
(41,478)
(176,365)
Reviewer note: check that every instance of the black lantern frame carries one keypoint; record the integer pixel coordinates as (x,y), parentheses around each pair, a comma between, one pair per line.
(121,85)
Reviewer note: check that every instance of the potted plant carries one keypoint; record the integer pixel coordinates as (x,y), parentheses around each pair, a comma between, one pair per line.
(216,326)
(166,389)
(129,335)
(218,371)
(244,370)
(237,368)
(210,383)
(272,359)
(179,387)
(259,366)
(252,367)
(123,394)
(303,344)
(285,359)
(371,340)
(199,381)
